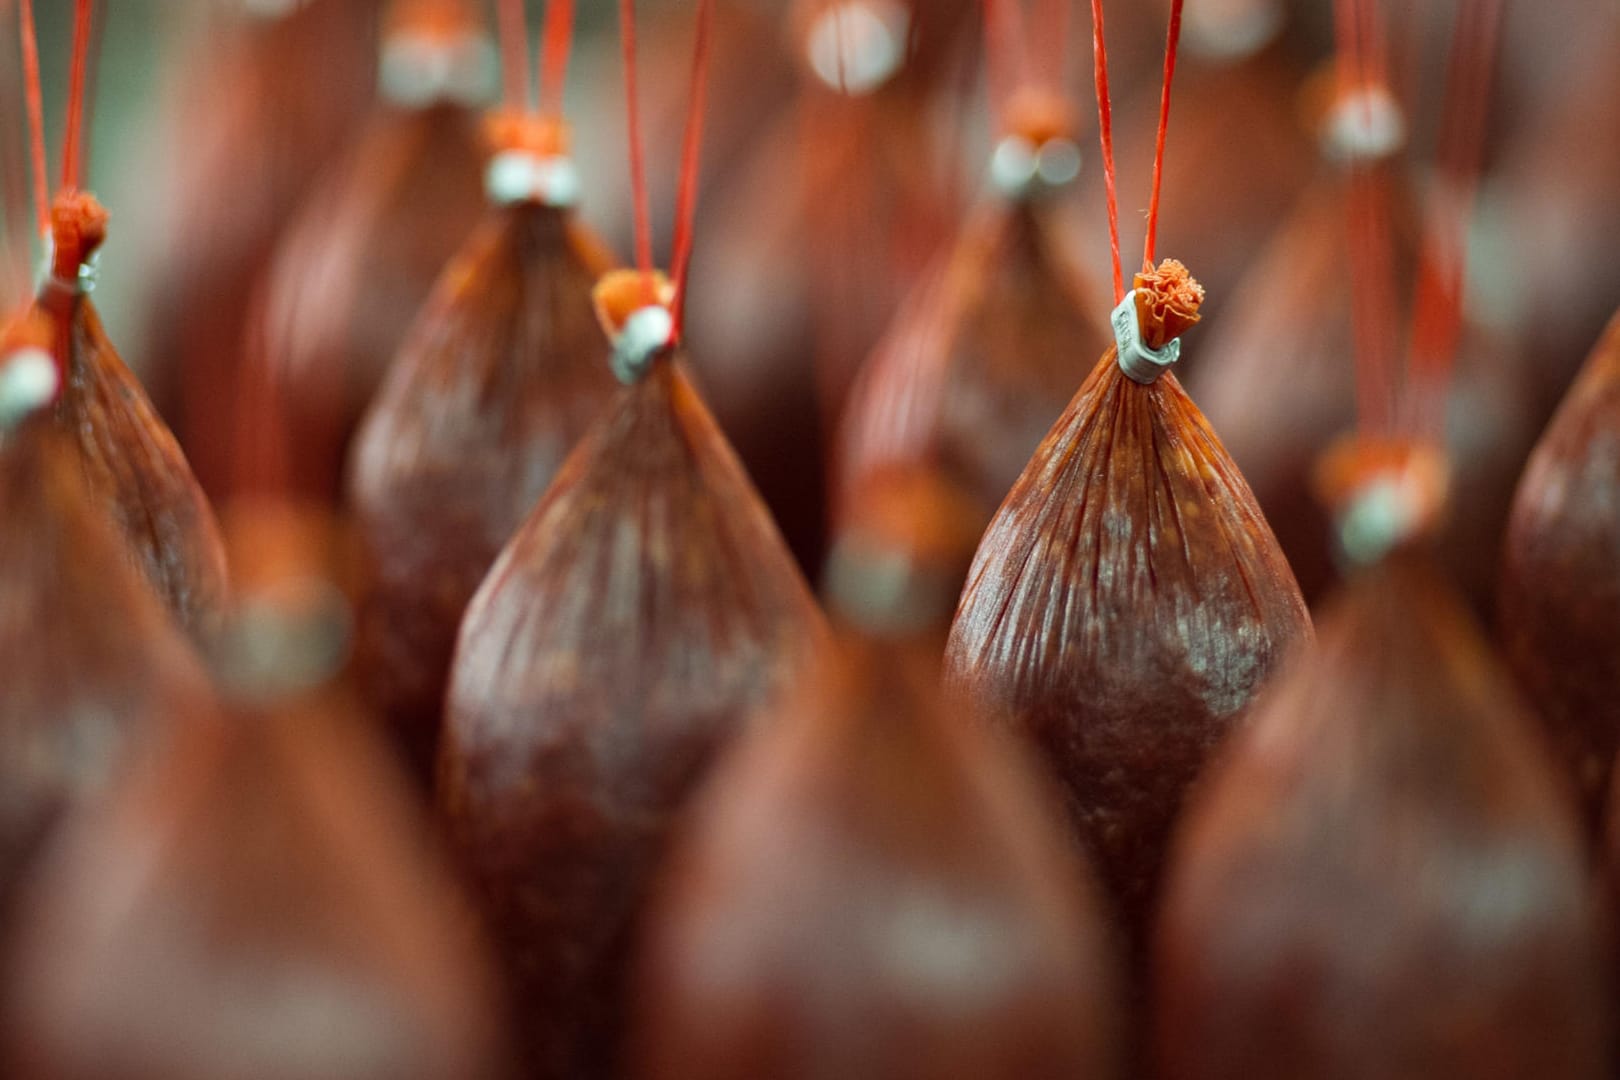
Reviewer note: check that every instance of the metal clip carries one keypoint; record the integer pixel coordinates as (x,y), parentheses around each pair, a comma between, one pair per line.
(28,382)
(82,283)
(1019,169)
(1138,362)
(419,68)
(515,176)
(855,46)
(646,333)
(1364,125)
(89,274)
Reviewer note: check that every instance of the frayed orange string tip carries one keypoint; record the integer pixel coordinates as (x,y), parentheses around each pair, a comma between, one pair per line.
(1356,464)
(621,293)
(1041,116)
(543,136)
(444,20)
(78,226)
(1167,303)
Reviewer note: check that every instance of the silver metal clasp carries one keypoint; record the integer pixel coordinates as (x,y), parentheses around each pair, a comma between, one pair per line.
(516,176)
(1138,362)
(646,333)
(1019,169)
(29,381)
(419,68)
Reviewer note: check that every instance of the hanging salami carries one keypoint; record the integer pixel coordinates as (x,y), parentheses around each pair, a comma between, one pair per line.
(500,375)
(819,232)
(984,354)
(1291,313)
(258,902)
(643,611)
(874,884)
(1129,599)
(259,99)
(1561,577)
(1387,848)
(361,256)
(98,671)
(129,457)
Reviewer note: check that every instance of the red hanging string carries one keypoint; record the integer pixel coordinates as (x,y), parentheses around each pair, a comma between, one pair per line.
(638,174)
(36,115)
(72,140)
(514,34)
(1407,55)
(840,47)
(1105,132)
(1013,57)
(1347,32)
(1171,48)
(16,203)
(259,462)
(98,32)
(1054,59)
(1374,43)
(1438,304)
(555,42)
(691,148)
(1372,297)
(1000,37)
(1370,254)
(1358,30)
(686,197)
(1105,128)
(1015,61)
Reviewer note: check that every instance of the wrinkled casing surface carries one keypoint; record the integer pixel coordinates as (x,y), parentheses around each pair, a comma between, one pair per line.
(503,372)
(875,886)
(1560,596)
(1385,878)
(136,470)
(644,610)
(1125,605)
